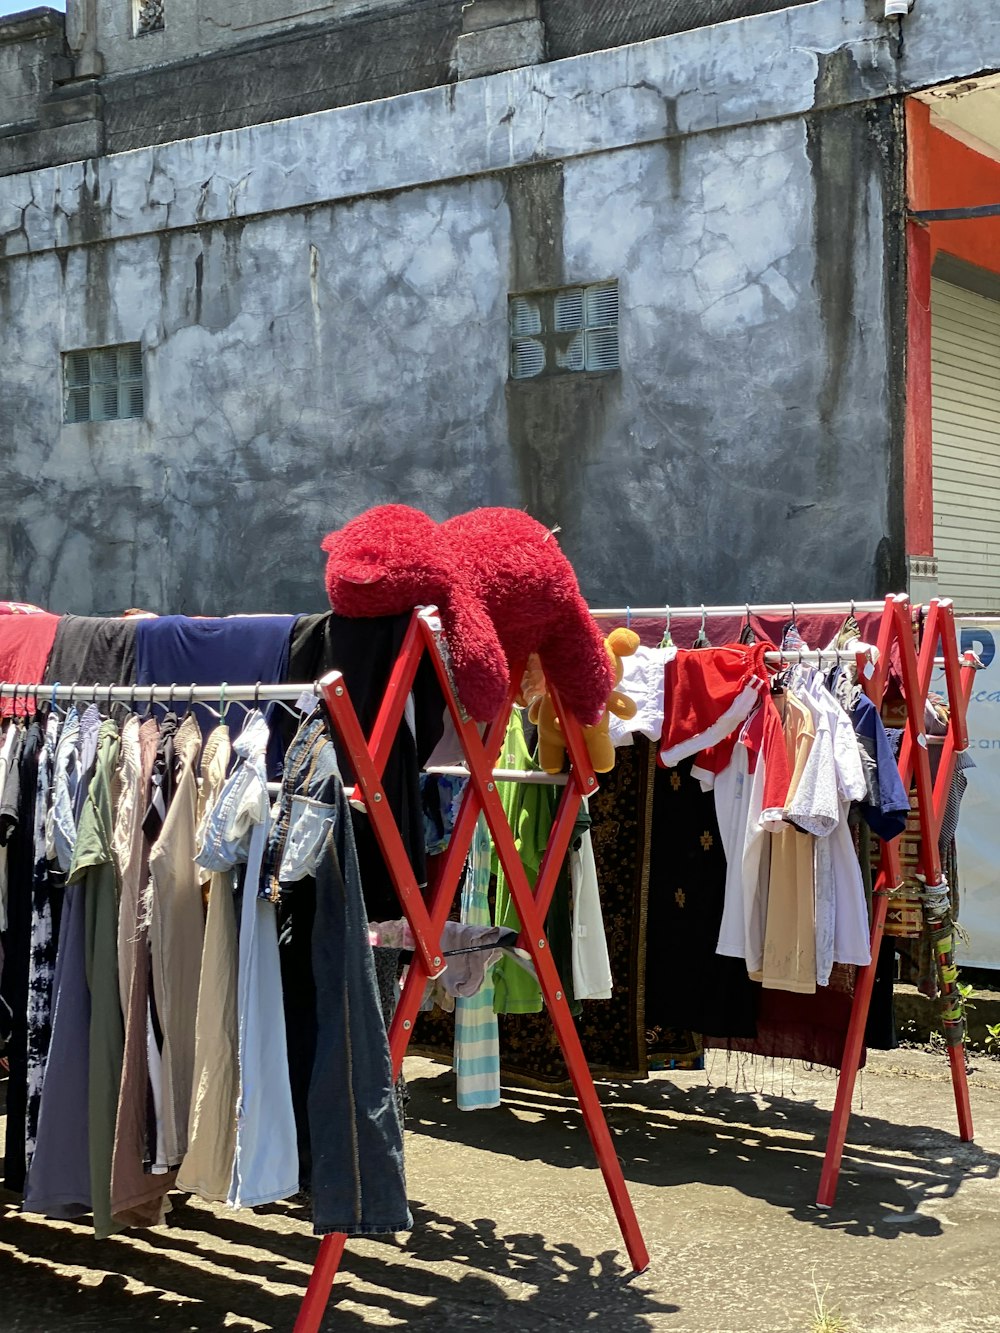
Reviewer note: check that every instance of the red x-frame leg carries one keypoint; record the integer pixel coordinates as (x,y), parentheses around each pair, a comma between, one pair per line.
(931,800)
(368,759)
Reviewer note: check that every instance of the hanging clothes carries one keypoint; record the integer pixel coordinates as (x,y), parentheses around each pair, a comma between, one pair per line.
(87,648)
(26,638)
(477,1036)
(364,652)
(338,1049)
(529,808)
(47,890)
(592,978)
(240,650)
(176,934)
(207,1169)
(138,1195)
(17,831)
(265,1164)
(95,871)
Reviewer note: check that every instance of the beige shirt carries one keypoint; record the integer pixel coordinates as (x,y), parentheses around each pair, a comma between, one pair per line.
(790,931)
(176,935)
(137,1198)
(207,1169)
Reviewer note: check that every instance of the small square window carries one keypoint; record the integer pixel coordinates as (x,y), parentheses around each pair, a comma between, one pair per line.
(147,16)
(572,328)
(103,383)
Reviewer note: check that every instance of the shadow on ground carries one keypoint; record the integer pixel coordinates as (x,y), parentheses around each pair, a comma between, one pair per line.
(193,1285)
(767,1146)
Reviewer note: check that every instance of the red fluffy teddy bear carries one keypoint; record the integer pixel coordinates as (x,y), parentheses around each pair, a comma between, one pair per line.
(503,588)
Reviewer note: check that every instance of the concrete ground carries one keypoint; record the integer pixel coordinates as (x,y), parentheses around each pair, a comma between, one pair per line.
(514,1229)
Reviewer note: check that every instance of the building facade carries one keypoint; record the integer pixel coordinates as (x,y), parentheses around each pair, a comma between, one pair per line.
(644,273)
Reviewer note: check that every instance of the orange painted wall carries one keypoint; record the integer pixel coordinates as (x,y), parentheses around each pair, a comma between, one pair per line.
(944,173)
(941,173)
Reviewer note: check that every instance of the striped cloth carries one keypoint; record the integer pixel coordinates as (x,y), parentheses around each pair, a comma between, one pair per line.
(477,1036)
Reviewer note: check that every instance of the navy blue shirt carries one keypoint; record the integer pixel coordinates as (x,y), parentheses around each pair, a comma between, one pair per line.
(236,650)
(888,818)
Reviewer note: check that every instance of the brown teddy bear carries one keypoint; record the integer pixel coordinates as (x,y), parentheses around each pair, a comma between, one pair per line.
(551,743)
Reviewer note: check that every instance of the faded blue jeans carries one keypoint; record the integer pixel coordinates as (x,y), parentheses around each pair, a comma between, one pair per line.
(350,1134)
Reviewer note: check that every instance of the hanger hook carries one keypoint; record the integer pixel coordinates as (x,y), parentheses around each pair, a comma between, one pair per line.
(668,617)
(222,702)
(853,613)
(52,699)
(628,617)
(131,701)
(72,694)
(173,686)
(256,695)
(110,701)
(792,604)
(703,615)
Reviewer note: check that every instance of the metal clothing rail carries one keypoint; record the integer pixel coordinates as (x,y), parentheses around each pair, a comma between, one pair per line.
(526,775)
(159,694)
(755,609)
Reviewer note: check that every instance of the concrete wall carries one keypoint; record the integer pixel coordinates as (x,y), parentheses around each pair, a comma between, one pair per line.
(304,365)
(28,46)
(322,303)
(198,27)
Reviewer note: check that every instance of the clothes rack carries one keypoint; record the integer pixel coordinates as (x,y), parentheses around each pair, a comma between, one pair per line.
(369,756)
(895,630)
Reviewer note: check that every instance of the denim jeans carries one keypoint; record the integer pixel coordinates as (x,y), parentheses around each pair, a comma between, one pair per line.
(350,1133)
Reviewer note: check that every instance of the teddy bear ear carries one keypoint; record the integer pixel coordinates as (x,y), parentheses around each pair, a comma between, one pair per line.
(622,642)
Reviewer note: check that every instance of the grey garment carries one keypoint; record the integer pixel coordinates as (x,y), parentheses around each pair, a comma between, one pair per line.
(90,727)
(58,1183)
(60,824)
(869,766)
(959,782)
(87,648)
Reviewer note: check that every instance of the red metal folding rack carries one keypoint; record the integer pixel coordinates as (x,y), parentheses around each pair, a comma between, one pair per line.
(368,758)
(914,764)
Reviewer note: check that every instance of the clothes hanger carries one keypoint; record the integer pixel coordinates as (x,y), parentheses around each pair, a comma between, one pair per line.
(702,640)
(54,708)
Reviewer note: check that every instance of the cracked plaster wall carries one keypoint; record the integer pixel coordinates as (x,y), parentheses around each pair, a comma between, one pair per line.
(301,366)
(322,301)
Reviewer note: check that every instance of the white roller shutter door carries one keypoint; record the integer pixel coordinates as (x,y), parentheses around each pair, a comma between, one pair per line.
(965,380)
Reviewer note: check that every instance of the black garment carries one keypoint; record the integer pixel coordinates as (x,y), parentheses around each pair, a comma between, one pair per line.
(364,651)
(880,1032)
(92,648)
(162,784)
(19,835)
(688,985)
(10,796)
(162,781)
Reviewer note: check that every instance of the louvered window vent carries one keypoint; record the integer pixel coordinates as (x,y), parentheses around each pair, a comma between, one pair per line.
(103,384)
(570,329)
